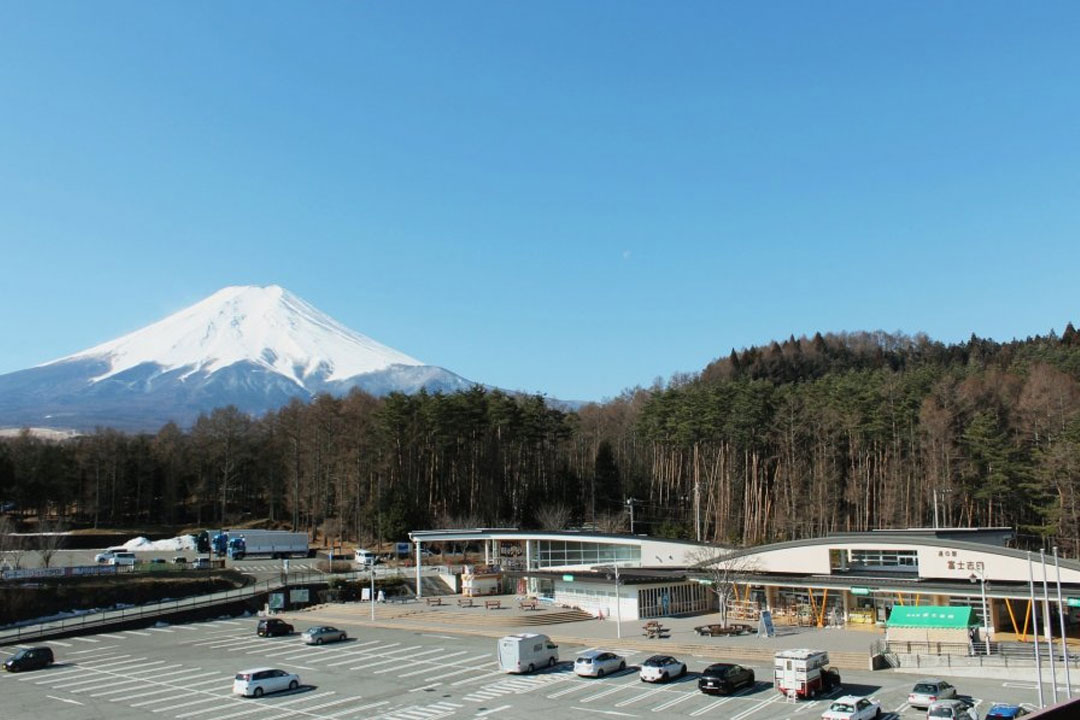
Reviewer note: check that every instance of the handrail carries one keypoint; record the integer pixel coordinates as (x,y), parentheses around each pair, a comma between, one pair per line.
(160,608)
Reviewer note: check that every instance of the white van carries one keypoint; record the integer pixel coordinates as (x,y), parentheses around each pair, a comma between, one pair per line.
(526,652)
(366,558)
(125,558)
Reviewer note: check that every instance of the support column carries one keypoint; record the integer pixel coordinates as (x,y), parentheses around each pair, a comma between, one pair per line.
(419,580)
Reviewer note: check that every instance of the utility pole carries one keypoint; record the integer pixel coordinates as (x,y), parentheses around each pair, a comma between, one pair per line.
(1035,629)
(1046,626)
(697,509)
(630,504)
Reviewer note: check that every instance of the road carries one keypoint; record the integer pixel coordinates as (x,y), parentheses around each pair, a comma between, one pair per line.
(184,672)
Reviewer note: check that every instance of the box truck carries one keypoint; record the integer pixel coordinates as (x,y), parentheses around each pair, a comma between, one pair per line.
(526,652)
(238,544)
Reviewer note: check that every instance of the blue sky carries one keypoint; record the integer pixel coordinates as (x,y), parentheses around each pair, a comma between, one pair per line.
(565,197)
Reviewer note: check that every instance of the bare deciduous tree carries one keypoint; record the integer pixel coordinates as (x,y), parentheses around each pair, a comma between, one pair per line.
(724,571)
(554,517)
(612,522)
(50,538)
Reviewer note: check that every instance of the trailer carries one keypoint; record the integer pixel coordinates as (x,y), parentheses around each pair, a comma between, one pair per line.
(238,544)
(526,652)
(804,673)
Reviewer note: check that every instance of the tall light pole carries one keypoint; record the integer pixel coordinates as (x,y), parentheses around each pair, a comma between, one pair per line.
(630,504)
(1035,629)
(697,509)
(981,577)
(1047,628)
(618,605)
(1061,624)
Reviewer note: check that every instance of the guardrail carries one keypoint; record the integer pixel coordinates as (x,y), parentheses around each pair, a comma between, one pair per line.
(106,618)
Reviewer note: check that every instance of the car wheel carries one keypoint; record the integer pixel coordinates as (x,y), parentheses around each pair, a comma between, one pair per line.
(293,684)
(683,671)
(344,636)
(318,641)
(622,665)
(751,680)
(877,715)
(664,677)
(551,662)
(600,673)
(531,667)
(257,692)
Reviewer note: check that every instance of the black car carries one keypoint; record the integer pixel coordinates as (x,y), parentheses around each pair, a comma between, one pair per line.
(725,678)
(269,627)
(29,659)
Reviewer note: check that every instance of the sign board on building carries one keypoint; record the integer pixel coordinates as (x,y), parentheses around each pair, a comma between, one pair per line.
(299,595)
(765,625)
(568,578)
(365,594)
(860,591)
(1072,602)
(703,581)
(277,601)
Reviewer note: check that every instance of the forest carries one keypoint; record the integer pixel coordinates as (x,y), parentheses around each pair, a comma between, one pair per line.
(838,432)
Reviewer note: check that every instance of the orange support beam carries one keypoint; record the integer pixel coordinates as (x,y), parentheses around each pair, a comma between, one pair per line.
(1012,616)
(899,598)
(917,596)
(735,589)
(813,603)
(821,615)
(1027,619)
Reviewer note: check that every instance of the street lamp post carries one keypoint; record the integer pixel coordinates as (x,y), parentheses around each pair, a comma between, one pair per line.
(630,504)
(981,577)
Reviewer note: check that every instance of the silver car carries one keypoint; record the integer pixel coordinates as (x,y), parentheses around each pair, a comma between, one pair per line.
(322,634)
(257,681)
(953,709)
(928,691)
(598,663)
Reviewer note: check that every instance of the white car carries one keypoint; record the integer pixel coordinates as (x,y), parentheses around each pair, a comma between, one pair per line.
(107,554)
(125,559)
(928,691)
(853,707)
(258,681)
(951,709)
(661,668)
(598,663)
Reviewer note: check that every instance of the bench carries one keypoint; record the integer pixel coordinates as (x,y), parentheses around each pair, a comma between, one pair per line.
(529,605)
(433,600)
(465,602)
(492,604)
(400,598)
(721,630)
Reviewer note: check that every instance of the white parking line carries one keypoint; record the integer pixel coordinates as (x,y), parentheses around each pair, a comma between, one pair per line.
(85,640)
(103,648)
(642,696)
(683,697)
(57,642)
(111,636)
(136,632)
(427,670)
(482,713)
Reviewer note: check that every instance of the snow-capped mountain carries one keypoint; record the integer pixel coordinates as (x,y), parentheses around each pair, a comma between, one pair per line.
(253,347)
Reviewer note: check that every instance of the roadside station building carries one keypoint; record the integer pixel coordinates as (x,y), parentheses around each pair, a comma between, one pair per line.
(852,578)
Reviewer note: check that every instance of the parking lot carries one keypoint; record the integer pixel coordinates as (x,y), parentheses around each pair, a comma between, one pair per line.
(186,671)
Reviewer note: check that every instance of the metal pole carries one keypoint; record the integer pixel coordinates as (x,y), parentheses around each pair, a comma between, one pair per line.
(986,616)
(1061,624)
(1046,625)
(935,509)
(419,587)
(618,601)
(697,509)
(372,593)
(1035,629)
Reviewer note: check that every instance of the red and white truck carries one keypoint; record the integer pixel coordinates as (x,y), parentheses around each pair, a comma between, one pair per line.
(804,673)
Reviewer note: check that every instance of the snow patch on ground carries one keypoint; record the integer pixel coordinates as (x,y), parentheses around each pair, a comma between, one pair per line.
(176,544)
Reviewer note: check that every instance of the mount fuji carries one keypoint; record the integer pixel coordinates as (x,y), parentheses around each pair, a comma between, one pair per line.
(252,347)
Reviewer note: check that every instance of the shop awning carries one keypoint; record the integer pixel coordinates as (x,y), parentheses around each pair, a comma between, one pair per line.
(931,616)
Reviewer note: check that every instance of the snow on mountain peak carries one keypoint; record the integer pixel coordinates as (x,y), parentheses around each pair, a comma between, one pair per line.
(267,326)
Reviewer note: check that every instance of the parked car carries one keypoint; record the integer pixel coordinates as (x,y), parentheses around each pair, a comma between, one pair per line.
(661,668)
(179,560)
(257,681)
(322,634)
(928,691)
(123,559)
(952,709)
(724,678)
(598,663)
(33,658)
(269,627)
(157,561)
(1002,711)
(200,564)
(107,554)
(853,707)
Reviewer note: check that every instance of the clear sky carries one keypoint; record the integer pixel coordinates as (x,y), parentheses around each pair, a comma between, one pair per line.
(571,197)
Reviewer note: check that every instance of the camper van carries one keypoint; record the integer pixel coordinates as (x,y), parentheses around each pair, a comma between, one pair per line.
(526,652)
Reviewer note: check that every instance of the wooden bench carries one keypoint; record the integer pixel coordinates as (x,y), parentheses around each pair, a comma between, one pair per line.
(492,604)
(465,602)
(433,600)
(529,604)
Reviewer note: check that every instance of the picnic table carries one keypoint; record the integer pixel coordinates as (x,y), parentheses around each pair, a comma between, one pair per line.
(530,604)
(492,604)
(465,602)
(434,600)
(722,630)
(653,630)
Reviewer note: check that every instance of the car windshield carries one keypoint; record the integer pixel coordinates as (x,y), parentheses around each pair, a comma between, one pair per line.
(655,662)
(716,670)
(20,655)
(244,677)
(841,707)
(925,689)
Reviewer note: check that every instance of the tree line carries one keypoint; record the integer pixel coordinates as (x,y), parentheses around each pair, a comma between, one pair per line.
(838,432)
